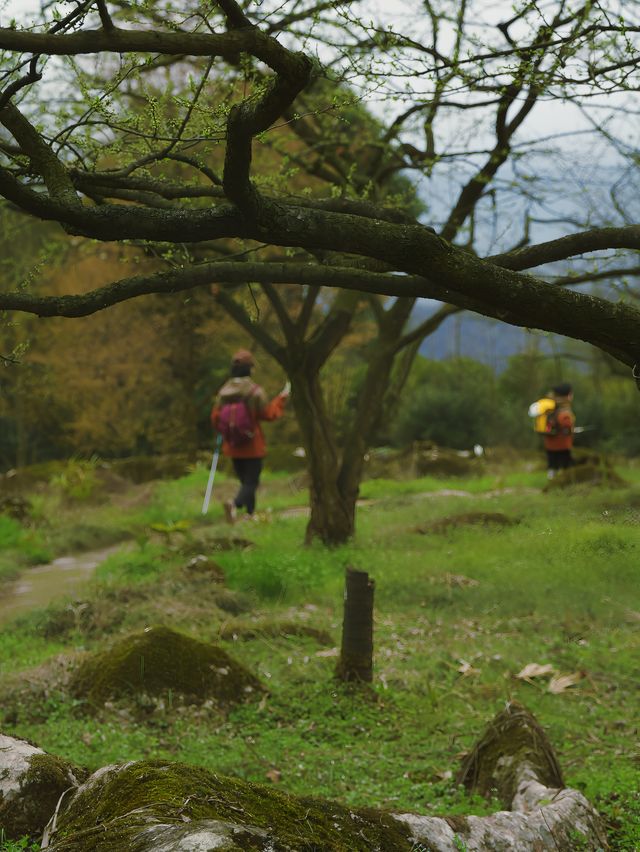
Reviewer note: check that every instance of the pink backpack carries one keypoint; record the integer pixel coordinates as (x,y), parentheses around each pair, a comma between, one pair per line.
(236,422)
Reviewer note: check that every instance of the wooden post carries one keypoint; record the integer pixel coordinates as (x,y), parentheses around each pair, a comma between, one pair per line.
(356,655)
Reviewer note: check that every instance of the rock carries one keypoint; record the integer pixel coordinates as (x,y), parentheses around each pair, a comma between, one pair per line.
(31,783)
(159,661)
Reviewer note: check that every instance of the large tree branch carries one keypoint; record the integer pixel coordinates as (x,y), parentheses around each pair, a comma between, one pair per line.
(480,286)
(224,45)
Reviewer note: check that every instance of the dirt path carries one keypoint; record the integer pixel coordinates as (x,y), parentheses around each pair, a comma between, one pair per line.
(39,586)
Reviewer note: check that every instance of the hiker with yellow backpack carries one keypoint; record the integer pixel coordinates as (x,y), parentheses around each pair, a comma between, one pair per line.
(554,419)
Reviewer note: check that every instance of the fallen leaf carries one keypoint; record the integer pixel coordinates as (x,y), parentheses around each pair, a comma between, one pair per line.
(467,670)
(535,670)
(561,682)
(328,652)
(274,775)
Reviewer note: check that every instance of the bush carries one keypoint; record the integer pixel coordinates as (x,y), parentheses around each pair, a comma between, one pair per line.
(449,402)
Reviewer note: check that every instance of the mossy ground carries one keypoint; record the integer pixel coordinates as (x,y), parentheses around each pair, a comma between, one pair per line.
(561,587)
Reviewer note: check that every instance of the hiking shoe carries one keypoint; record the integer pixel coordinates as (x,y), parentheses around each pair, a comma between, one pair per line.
(230,511)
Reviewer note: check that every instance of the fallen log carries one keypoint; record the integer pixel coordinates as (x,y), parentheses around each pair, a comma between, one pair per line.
(155,806)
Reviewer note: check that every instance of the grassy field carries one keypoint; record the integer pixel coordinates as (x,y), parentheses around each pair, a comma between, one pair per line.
(459,613)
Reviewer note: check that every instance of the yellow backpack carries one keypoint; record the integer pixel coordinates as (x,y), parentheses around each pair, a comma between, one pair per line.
(540,411)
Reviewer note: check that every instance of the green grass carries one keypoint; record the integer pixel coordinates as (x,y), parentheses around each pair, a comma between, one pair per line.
(559,587)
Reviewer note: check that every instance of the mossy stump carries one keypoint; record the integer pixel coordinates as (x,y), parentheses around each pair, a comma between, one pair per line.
(159,661)
(511,739)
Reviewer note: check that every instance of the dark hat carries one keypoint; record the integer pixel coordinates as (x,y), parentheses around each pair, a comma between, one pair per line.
(243,356)
(563,389)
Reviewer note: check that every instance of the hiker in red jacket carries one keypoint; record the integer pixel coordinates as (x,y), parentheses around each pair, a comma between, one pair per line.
(559,443)
(238,409)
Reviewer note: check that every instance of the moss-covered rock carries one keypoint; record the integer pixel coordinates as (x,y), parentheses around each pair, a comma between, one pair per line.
(31,783)
(153,806)
(484,519)
(160,661)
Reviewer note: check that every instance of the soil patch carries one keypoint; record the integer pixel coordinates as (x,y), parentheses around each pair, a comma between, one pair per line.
(158,661)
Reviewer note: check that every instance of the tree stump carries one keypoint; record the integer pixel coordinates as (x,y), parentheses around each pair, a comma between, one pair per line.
(356,654)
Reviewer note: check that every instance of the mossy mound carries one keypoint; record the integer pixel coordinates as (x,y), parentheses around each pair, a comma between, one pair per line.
(484,519)
(16,507)
(586,474)
(158,661)
(203,567)
(31,783)
(230,542)
(154,805)
(431,460)
(239,630)
(140,469)
(232,602)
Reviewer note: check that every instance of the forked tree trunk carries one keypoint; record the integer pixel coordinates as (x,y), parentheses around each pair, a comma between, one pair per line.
(356,655)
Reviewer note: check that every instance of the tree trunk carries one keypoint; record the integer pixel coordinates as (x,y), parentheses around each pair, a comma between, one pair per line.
(332,517)
(356,655)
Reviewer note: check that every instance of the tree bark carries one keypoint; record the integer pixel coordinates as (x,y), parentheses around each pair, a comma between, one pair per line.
(356,655)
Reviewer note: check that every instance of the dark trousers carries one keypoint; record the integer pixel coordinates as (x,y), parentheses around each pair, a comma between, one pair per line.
(248,472)
(559,459)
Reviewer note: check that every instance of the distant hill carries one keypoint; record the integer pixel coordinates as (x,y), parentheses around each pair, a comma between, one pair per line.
(474,336)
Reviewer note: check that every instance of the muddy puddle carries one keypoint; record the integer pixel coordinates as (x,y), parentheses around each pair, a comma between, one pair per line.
(43,584)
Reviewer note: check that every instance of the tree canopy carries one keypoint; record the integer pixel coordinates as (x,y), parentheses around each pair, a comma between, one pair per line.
(89,143)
